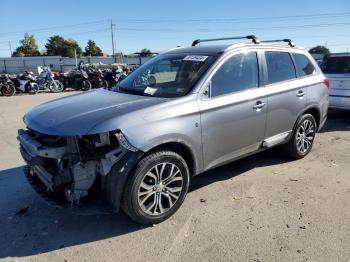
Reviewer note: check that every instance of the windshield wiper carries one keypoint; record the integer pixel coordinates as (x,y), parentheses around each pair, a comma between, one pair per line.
(132,91)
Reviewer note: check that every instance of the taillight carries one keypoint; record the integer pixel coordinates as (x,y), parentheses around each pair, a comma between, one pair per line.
(326,82)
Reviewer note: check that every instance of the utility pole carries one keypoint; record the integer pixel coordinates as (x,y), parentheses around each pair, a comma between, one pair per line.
(75,56)
(112,34)
(10,48)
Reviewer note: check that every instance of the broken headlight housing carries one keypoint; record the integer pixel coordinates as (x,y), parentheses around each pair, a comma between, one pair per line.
(124,142)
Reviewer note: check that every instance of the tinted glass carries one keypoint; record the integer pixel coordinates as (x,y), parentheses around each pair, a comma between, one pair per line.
(303,65)
(238,73)
(337,65)
(280,67)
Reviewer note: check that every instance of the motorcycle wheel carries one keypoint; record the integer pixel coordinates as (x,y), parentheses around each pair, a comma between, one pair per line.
(56,86)
(102,84)
(8,89)
(85,85)
(33,88)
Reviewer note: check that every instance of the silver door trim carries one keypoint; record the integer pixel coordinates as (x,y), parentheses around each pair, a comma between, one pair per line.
(276,139)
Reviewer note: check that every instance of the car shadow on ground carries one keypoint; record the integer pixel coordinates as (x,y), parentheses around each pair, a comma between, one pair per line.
(29,226)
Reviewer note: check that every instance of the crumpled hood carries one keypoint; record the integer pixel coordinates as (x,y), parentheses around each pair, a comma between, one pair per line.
(78,114)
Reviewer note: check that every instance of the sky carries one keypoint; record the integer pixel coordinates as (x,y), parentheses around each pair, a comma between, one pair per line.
(160,25)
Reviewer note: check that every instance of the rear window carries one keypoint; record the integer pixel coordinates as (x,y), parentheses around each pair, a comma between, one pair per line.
(280,67)
(303,65)
(337,65)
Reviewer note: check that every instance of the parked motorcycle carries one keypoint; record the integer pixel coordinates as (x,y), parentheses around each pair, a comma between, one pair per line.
(115,76)
(76,78)
(46,81)
(25,83)
(7,87)
(96,78)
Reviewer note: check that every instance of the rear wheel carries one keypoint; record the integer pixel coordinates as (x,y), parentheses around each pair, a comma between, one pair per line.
(8,89)
(56,86)
(157,187)
(303,137)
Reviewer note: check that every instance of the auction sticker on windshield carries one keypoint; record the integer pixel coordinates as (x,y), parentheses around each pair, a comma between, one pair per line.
(149,90)
(196,58)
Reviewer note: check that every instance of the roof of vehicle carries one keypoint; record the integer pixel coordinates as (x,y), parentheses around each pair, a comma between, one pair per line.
(218,49)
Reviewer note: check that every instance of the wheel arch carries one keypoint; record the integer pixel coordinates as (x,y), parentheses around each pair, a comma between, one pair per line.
(180,148)
(315,112)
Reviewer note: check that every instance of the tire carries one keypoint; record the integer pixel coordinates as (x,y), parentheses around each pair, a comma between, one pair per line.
(102,84)
(8,89)
(303,137)
(33,88)
(140,201)
(56,86)
(85,85)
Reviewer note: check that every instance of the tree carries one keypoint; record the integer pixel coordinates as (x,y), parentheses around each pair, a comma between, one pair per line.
(92,49)
(57,45)
(72,46)
(28,47)
(145,52)
(320,49)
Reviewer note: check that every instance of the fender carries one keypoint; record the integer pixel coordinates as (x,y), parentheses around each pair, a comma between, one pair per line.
(113,184)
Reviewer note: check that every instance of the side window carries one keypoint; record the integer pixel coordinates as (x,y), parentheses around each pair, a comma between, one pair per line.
(238,73)
(280,66)
(303,65)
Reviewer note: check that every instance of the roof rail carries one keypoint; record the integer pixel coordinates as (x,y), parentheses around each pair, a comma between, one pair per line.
(289,41)
(254,39)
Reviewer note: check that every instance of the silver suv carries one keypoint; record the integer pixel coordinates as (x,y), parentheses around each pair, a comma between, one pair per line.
(182,113)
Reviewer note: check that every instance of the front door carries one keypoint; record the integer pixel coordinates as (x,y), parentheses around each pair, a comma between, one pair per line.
(233,114)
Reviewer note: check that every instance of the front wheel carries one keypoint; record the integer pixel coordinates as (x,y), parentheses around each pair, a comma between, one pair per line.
(157,187)
(102,84)
(303,137)
(85,85)
(33,88)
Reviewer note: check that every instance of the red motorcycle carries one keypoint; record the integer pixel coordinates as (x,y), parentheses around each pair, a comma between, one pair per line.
(96,78)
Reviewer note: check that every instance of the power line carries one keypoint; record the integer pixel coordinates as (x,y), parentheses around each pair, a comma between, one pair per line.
(103,30)
(56,27)
(229,29)
(209,20)
(238,20)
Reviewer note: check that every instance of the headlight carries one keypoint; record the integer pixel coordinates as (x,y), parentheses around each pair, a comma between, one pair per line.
(124,142)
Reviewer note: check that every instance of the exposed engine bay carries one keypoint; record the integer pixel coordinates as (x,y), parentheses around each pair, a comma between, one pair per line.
(74,167)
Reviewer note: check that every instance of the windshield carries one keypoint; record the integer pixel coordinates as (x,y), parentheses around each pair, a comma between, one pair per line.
(337,65)
(166,75)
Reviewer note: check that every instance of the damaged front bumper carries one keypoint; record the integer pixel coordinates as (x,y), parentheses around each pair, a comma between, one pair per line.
(63,171)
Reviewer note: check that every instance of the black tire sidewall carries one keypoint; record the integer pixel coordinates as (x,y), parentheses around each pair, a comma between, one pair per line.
(164,156)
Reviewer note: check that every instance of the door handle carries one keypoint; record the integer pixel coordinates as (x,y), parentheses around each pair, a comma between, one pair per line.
(300,93)
(259,105)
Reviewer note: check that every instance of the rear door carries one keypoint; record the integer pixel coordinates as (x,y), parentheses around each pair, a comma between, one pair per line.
(337,70)
(286,96)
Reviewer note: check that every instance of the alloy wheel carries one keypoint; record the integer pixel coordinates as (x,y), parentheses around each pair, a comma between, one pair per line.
(160,188)
(305,136)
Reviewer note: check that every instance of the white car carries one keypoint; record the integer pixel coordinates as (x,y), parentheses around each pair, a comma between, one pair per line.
(337,70)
